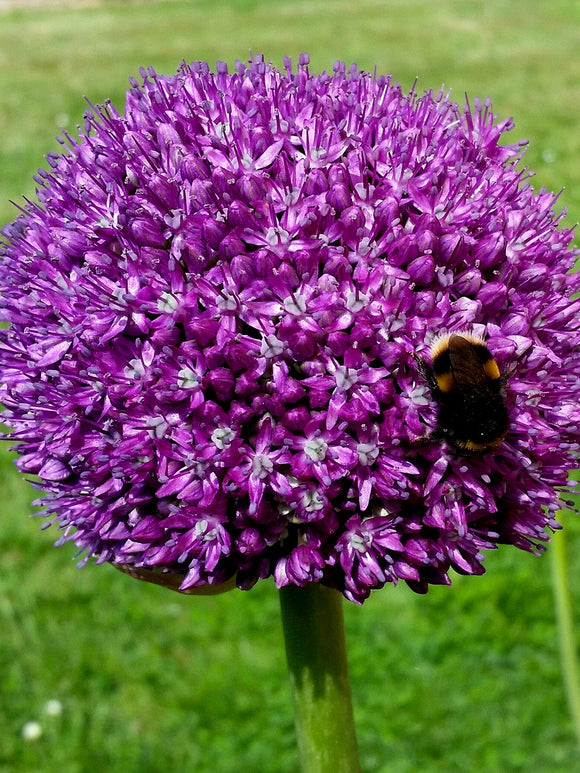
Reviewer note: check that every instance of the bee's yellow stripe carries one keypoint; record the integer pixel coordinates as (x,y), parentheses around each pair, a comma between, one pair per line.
(471,445)
(445,382)
(491,370)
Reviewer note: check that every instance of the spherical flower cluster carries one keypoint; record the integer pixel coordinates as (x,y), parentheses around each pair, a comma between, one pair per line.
(217,312)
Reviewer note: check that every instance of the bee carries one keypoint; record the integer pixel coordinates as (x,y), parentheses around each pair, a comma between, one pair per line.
(468,388)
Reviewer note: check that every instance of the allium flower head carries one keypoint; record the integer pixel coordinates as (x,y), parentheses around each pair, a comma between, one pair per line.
(216,312)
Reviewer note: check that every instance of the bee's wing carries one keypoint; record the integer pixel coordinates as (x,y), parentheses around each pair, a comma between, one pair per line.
(467,369)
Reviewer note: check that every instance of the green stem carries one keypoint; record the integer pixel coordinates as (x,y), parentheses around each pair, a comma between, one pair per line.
(316,653)
(565,618)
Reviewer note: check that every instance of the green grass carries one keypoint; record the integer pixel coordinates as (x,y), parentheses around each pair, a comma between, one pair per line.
(464,679)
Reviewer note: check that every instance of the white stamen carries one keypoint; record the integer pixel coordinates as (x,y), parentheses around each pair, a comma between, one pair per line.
(167,303)
(367,453)
(187,379)
(222,437)
(316,449)
(312,501)
(295,304)
(271,346)
(135,369)
(360,543)
(261,466)
(345,377)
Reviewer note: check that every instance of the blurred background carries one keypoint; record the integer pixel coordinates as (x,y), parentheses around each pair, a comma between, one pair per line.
(123,676)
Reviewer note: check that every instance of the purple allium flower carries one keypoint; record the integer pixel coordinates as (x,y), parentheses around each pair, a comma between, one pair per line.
(216,308)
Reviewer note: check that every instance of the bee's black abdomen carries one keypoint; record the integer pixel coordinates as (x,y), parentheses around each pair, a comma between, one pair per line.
(473,421)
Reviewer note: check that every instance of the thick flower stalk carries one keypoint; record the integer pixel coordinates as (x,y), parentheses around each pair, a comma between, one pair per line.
(218,309)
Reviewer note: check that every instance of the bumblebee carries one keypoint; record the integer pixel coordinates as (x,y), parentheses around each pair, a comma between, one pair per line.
(468,388)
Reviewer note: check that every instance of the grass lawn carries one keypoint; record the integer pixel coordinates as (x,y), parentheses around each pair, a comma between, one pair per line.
(464,679)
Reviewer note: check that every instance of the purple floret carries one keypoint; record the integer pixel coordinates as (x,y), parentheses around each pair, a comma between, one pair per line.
(216,309)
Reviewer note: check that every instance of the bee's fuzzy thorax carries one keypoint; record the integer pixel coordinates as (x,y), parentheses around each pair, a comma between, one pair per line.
(441,342)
